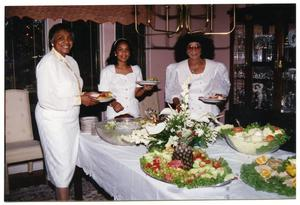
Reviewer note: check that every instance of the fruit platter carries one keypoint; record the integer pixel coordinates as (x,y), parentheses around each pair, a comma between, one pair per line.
(254,139)
(271,175)
(203,172)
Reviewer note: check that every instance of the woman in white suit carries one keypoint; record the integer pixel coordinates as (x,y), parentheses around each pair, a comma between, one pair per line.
(59,90)
(206,76)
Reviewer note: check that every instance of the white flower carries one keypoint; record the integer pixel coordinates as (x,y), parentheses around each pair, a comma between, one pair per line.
(199,132)
(189,123)
(172,141)
(167,111)
(186,132)
(138,137)
(155,129)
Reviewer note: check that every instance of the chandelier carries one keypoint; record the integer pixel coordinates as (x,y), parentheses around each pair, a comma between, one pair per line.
(183,21)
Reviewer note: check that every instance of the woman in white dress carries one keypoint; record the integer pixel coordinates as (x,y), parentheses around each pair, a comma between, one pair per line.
(59,90)
(207,77)
(119,77)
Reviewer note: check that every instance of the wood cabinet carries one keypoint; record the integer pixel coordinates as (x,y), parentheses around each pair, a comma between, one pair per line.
(263,67)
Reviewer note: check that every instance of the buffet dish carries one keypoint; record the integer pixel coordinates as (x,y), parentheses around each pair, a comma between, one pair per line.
(205,172)
(255,139)
(271,175)
(112,131)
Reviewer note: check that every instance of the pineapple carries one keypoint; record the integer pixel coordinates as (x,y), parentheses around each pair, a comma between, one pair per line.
(184,153)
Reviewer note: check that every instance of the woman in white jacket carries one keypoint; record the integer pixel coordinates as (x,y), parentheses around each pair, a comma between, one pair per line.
(59,89)
(206,77)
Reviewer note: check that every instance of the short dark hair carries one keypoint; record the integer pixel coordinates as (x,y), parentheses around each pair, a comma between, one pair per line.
(56,28)
(207,46)
(112,59)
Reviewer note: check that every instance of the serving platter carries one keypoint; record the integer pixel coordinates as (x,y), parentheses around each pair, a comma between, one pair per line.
(214,185)
(211,100)
(283,181)
(148,82)
(205,171)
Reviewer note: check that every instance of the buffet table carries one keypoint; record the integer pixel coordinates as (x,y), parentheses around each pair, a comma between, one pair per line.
(117,170)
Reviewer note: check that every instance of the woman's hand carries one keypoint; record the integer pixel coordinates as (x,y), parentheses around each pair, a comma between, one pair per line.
(141,90)
(116,106)
(88,100)
(148,87)
(176,104)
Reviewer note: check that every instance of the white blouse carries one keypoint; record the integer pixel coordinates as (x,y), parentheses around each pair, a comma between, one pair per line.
(170,77)
(213,80)
(123,89)
(59,82)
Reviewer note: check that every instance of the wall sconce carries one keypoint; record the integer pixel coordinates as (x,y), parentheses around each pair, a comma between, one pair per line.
(183,21)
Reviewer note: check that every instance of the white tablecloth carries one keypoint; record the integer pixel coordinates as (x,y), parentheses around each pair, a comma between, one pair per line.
(117,170)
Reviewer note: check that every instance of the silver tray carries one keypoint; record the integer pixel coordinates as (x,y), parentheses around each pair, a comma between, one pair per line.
(124,126)
(211,100)
(214,185)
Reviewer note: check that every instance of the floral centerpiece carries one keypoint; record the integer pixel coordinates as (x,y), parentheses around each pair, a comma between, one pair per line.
(178,129)
(181,132)
(181,128)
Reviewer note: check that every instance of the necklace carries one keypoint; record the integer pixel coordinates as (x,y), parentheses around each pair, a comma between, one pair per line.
(197,68)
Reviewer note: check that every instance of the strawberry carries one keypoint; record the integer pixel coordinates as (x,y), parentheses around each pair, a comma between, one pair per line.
(216,164)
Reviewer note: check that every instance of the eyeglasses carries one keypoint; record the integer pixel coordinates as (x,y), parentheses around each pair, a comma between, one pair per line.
(191,47)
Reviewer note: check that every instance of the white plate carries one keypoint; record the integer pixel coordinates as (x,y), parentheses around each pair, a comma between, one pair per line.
(102,100)
(94,94)
(211,100)
(147,82)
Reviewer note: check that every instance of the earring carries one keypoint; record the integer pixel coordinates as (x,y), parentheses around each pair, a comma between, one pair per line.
(52,44)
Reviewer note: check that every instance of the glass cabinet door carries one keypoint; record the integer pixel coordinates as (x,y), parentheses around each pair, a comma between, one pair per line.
(239,66)
(263,55)
(288,100)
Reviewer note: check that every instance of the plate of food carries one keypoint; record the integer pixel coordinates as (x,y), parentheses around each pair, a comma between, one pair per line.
(254,139)
(205,171)
(103,96)
(149,81)
(216,98)
(271,175)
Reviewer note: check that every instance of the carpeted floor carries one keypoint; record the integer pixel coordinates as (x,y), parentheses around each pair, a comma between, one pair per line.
(43,192)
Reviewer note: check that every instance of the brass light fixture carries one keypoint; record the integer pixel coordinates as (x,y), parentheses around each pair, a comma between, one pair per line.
(183,21)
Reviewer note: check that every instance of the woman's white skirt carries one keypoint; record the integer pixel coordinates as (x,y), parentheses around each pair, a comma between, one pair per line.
(59,134)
